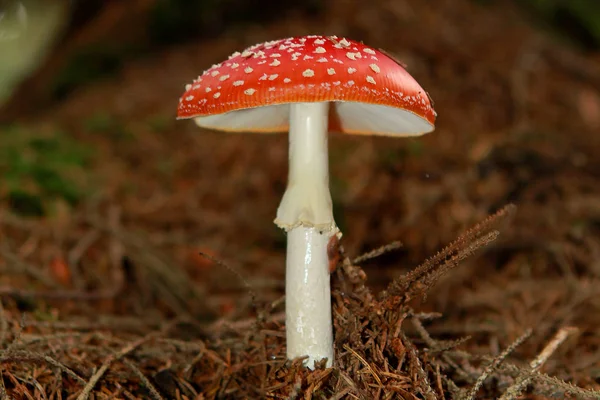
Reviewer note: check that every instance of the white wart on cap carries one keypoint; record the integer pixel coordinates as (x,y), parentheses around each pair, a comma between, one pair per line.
(370,92)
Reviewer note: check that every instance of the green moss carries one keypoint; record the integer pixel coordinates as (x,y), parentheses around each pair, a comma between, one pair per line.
(38,169)
(160,123)
(578,20)
(90,64)
(106,124)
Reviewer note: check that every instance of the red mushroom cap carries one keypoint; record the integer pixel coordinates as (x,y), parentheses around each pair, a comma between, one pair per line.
(371,92)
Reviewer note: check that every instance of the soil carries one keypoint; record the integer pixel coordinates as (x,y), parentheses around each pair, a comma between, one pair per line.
(167,280)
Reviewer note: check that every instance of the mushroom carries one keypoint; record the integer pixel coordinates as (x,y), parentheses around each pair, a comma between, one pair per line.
(309,85)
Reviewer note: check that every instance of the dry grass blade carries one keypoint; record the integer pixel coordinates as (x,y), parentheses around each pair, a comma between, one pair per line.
(523,380)
(378,252)
(495,363)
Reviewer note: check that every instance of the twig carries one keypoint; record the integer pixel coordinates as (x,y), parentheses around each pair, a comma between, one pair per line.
(523,380)
(495,363)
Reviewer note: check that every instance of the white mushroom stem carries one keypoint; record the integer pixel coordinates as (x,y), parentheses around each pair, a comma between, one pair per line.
(306,214)
(308,297)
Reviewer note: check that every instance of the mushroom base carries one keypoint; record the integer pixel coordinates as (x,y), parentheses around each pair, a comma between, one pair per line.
(308,296)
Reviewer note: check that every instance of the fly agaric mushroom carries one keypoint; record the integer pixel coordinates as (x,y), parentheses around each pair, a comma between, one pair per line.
(309,85)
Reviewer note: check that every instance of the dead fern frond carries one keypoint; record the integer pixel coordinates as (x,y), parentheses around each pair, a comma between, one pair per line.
(378,252)
(552,386)
(545,384)
(425,275)
(446,345)
(430,279)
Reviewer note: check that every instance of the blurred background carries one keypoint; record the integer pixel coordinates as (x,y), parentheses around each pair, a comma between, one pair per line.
(97,175)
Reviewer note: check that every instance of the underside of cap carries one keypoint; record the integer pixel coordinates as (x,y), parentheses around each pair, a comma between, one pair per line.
(345,116)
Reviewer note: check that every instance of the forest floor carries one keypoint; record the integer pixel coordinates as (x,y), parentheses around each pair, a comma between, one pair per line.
(113,297)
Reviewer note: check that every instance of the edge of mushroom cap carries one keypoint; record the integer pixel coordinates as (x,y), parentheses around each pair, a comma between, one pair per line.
(415,101)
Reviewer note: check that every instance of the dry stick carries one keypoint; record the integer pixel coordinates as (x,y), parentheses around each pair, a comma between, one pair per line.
(523,380)
(153,392)
(495,363)
(377,252)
